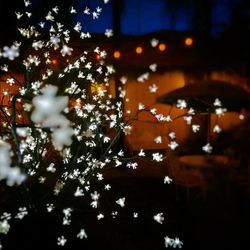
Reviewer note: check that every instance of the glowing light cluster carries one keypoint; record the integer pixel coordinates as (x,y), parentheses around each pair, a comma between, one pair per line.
(74,124)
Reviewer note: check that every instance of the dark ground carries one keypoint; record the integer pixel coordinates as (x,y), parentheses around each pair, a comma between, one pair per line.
(219,222)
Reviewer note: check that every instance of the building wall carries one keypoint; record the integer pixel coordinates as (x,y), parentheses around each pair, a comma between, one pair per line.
(146,128)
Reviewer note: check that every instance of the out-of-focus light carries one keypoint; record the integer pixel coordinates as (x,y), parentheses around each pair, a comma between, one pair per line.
(138,50)
(54,61)
(241,117)
(96,87)
(189,41)
(162,47)
(98,57)
(117,54)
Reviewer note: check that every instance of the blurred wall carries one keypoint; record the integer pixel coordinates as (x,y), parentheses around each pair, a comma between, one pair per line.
(146,128)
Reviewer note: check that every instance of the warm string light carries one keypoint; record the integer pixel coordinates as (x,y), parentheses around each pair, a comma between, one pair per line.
(189,41)
(162,47)
(117,54)
(139,50)
(54,61)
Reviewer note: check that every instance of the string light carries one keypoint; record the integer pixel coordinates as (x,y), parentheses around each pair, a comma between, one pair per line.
(117,54)
(54,61)
(138,50)
(162,47)
(189,41)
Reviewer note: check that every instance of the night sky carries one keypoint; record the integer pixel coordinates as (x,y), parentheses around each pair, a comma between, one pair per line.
(139,17)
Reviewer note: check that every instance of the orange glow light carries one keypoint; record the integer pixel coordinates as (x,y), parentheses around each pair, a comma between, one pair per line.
(162,46)
(98,57)
(189,41)
(117,54)
(97,87)
(138,50)
(54,61)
